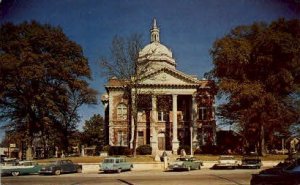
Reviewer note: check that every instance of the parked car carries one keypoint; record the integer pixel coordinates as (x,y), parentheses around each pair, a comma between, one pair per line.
(115,164)
(185,163)
(226,161)
(22,168)
(253,162)
(282,174)
(61,166)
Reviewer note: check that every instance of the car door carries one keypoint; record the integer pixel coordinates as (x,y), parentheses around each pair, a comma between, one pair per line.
(64,166)
(118,164)
(71,166)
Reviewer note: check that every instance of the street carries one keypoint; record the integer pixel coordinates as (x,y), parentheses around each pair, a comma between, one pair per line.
(151,177)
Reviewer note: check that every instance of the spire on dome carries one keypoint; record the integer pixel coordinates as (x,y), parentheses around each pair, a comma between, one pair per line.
(154,32)
(154,23)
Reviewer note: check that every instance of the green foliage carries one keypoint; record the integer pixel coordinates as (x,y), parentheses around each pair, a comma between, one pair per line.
(257,68)
(106,148)
(93,132)
(144,150)
(43,82)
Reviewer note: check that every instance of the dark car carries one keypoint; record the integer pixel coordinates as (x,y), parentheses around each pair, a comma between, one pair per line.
(282,174)
(61,166)
(253,162)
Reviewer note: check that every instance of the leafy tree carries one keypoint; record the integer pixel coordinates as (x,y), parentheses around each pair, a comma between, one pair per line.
(93,132)
(257,69)
(43,81)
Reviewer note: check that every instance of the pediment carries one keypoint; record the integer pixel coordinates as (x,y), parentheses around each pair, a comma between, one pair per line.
(169,77)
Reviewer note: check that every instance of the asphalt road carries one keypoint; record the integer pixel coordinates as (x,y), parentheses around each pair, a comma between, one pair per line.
(198,177)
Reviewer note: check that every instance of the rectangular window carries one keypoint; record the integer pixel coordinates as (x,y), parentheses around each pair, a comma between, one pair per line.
(122,112)
(122,138)
(204,113)
(140,133)
(140,138)
(162,116)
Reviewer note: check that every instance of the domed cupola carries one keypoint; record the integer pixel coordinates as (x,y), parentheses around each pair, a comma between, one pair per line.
(156,53)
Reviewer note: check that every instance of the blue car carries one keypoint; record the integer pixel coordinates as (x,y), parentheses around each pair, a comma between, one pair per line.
(115,164)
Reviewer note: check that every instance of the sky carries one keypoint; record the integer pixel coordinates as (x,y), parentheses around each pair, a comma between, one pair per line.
(188,27)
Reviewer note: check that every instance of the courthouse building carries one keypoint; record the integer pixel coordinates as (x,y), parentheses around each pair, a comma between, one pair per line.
(174,108)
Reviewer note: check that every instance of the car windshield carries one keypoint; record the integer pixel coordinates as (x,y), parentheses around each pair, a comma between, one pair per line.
(182,159)
(108,161)
(251,160)
(226,158)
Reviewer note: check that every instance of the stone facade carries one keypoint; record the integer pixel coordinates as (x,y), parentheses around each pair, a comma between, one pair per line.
(174,108)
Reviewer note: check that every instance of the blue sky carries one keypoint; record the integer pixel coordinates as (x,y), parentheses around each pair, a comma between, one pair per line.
(187,27)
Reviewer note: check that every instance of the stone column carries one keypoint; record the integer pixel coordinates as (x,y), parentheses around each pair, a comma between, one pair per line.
(175,142)
(193,125)
(194,119)
(132,121)
(132,132)
(153,134)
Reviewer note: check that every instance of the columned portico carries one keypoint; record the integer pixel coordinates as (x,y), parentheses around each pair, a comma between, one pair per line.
(175,142)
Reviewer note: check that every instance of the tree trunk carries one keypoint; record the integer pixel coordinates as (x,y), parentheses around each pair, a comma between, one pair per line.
(135,120)
(262,151)
(134,137)
(29,154)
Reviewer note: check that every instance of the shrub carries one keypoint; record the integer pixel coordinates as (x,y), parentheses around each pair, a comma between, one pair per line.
(186,148)
(144,150)
(198,151)
(119,150)
(106,148)
(210,149)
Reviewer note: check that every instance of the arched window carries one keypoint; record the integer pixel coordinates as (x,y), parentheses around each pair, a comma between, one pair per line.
(121,112)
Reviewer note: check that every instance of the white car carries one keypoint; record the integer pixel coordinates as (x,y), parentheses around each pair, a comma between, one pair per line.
(226,161)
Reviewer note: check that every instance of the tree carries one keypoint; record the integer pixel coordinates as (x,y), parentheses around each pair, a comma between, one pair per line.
(93,132)
(43,81)
(123,65)
(257,70)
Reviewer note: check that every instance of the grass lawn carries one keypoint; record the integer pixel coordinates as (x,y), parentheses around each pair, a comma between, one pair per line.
(149,158)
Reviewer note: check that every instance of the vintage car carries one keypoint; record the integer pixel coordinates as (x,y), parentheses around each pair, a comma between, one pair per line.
(253,162)
(115,164)
(185,163)
(282,174)
(22,168)
(226,161)
(61,166)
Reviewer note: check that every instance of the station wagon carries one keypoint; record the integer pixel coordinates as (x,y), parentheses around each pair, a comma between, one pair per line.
(115,164)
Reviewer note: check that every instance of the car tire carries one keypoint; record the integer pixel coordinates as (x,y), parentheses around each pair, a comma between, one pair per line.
(79,170)
(15,173)
(119,170)
(57,172)
(199,167)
